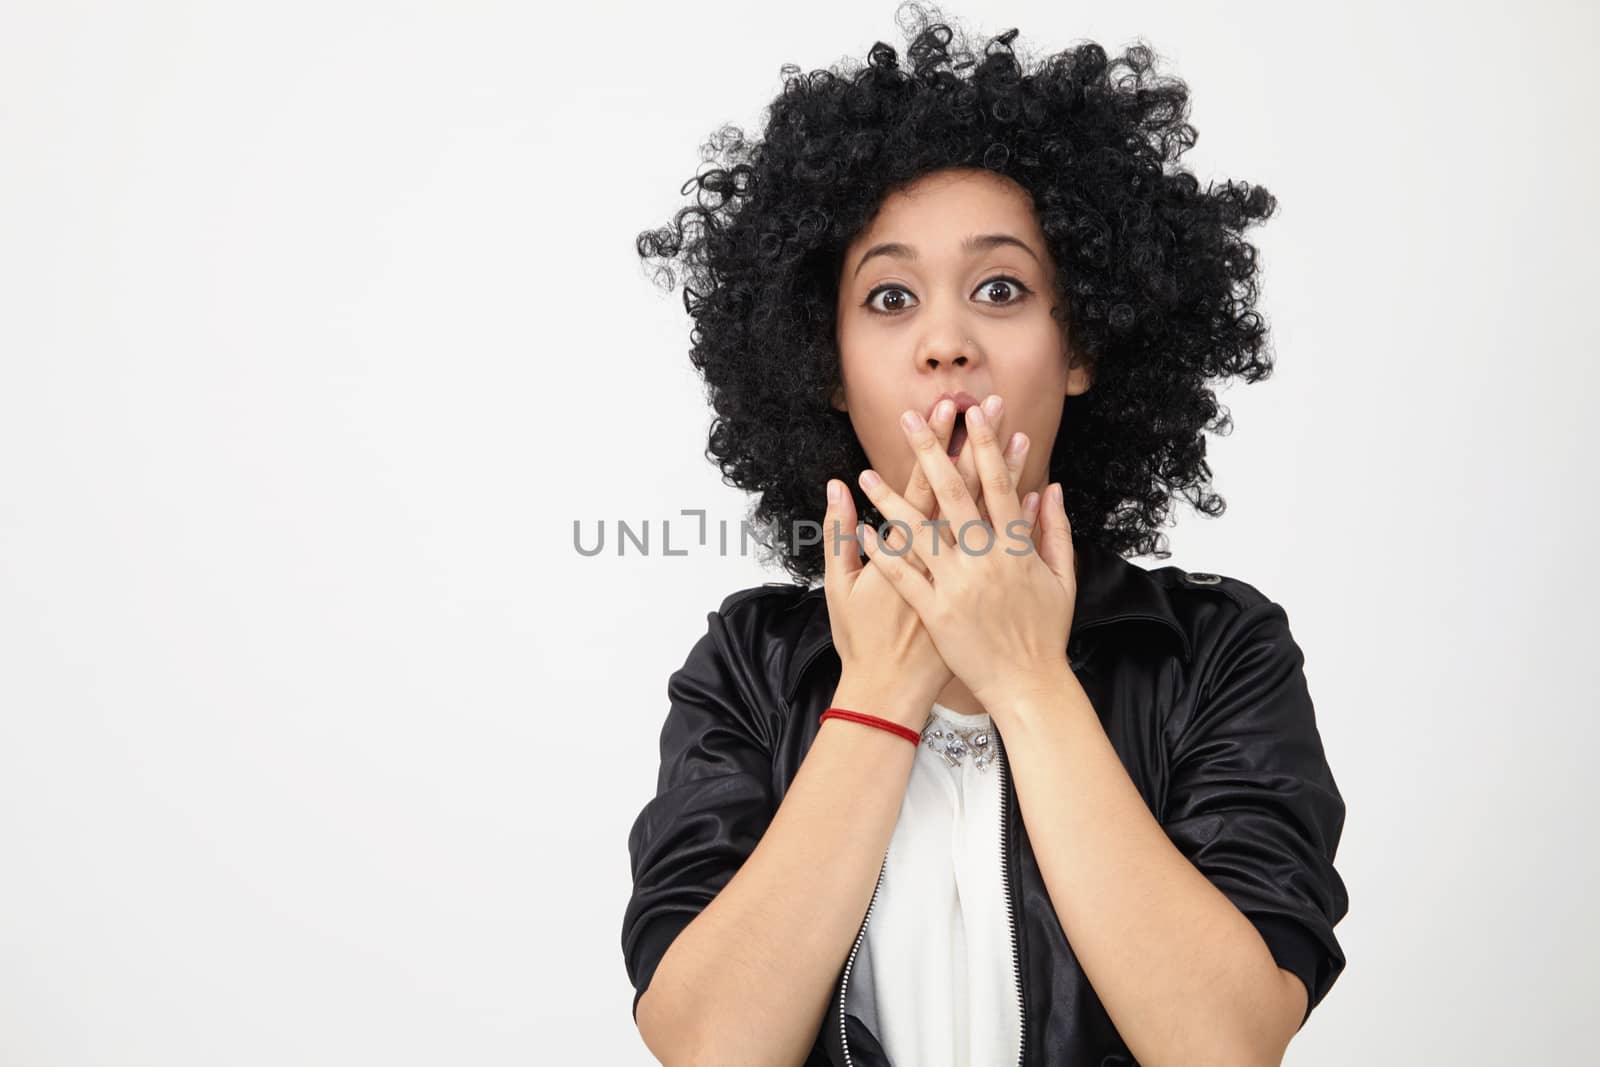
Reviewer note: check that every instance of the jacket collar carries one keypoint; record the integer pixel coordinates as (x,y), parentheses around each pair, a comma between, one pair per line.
(1110,591)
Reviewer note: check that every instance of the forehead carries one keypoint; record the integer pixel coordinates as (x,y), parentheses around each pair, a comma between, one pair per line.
(937,210)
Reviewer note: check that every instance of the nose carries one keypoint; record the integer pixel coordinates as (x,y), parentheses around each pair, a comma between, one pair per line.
(933,361)
(945,335)
(948,350)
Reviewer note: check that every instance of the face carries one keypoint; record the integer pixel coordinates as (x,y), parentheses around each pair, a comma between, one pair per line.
(931,316)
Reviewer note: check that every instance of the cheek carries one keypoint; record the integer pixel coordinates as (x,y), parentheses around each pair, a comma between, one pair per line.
(884,444)
(869,377)
(1037,377)
(877,427)
(1035,392)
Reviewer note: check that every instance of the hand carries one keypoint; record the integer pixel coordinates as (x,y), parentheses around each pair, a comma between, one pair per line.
(998,606)
(966,462)
(881,642)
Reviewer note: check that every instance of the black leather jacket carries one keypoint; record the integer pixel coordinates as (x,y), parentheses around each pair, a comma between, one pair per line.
(1200,688)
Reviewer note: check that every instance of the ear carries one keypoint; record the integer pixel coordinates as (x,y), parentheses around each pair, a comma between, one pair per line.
(1080,374)
(837,401)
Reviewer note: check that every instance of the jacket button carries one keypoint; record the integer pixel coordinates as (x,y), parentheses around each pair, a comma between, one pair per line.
(1202,578)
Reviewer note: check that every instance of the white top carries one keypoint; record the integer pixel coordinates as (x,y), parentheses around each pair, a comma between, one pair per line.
(934,977)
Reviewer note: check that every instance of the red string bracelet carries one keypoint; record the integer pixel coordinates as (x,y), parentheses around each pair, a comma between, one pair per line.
(872,720)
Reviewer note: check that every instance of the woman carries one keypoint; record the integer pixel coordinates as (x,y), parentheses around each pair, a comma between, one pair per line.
(992,794)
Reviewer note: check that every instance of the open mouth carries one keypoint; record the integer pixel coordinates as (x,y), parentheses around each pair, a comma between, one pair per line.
(958,435)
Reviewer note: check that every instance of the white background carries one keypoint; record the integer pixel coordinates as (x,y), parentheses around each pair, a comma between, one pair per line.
(321,323)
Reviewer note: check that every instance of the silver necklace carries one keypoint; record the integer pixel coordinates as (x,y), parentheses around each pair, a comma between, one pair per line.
(955,744)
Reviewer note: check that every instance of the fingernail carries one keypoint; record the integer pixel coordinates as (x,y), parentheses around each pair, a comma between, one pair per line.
(992,406)
(1019,441)
(945,409)
(1030,504)
(976,417)
(870,479)
(835,491)
(911,421)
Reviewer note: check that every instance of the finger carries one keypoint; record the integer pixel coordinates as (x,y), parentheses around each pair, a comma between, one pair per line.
(841,560)
(999,489)
(1055,541)
(919,492)
(967,462)
(955,502)
(1016,456)
(913,587)
(895,538)
(893,507)
(1020,532)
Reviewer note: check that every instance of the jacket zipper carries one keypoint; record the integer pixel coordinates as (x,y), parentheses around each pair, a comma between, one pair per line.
(844,984)
(1011,924)
(1011,919)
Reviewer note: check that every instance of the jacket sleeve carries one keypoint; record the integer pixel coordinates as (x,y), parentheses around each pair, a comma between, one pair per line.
(1251,800)
(714,797)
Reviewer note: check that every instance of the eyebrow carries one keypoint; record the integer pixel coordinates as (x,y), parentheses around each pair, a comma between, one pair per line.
(978,242)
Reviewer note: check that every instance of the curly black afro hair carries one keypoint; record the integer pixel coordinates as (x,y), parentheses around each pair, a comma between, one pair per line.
(1155,284)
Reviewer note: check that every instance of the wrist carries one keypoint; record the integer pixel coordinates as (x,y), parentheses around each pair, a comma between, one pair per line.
(882,698)
(1020,690)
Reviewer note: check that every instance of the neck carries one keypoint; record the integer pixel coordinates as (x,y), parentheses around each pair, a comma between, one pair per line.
(958,698)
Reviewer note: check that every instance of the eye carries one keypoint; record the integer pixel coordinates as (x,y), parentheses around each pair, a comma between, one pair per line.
(872,296)
(1005,283)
